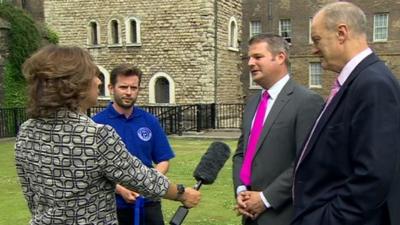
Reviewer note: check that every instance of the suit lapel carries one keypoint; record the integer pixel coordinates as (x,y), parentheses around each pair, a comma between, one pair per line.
(372,58)
(280,102)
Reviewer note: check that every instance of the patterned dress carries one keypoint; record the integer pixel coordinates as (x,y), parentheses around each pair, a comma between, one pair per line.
(68,167)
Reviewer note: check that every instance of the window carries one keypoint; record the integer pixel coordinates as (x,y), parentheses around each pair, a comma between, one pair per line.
(161,89)
(381,27)
(315,75)
(93,34)
(102,88)
(114,31)
(133,31)
(233,35)
(285,29)
(104,93)
(24,4)
(255,28)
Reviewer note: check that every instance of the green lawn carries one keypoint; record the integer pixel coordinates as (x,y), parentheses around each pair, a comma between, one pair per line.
(215,208)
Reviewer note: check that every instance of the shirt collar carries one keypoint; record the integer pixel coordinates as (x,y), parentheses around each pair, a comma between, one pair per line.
(277,87)
(114,113)
(351,65)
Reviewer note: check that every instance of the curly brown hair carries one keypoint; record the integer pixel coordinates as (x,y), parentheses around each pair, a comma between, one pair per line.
(58,78)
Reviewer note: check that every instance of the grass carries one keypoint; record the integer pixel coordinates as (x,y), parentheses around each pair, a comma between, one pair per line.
(215,207)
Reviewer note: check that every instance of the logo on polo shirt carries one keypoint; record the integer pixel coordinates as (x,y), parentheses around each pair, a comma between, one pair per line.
(144,133)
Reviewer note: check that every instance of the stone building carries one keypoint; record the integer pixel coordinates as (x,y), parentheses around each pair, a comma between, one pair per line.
(291,19)
(33,7)
(188,50)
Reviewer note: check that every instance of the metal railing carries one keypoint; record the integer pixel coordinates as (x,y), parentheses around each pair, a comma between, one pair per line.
(10,120)
(173,119)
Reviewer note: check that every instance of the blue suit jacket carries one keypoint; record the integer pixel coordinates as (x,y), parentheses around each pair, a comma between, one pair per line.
(350,171)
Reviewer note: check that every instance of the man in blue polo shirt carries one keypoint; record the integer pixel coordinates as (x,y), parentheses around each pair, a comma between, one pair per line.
(142,136)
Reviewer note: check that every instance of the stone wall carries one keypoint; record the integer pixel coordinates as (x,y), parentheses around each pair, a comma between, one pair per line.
(177,38)
(229,86)
(33,7)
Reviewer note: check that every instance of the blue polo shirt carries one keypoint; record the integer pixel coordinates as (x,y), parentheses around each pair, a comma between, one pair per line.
(142,135)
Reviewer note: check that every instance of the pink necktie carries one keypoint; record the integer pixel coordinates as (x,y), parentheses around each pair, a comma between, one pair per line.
(334,91)
(245,172)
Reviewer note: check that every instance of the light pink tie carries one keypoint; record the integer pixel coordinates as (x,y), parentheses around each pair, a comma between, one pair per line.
(335,89)
(256,130)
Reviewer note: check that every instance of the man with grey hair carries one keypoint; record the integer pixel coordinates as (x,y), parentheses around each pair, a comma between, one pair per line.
(275,124)
(348,172)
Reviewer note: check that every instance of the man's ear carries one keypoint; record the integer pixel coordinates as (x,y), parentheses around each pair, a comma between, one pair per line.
(342,32)
(281,57)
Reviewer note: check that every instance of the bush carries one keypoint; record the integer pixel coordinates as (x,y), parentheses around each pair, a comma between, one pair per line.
(24,38)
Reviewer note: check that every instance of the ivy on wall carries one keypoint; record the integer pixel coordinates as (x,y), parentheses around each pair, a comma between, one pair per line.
(25,37)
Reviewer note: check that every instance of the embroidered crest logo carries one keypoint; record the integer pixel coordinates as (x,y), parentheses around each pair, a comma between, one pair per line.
(144,133)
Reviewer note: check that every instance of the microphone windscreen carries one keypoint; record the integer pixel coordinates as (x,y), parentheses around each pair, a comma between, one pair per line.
(212,162)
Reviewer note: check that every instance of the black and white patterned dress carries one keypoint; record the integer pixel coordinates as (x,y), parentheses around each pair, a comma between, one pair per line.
(68,167)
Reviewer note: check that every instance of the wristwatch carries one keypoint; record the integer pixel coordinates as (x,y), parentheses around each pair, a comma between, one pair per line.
(180,188)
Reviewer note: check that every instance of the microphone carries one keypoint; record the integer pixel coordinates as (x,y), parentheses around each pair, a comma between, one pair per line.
(205,173)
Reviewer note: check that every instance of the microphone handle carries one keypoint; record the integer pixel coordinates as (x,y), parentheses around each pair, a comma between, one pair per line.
(197,186)
(182,211)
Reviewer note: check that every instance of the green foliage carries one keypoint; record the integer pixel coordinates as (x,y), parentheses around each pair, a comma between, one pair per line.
(14,89)
(51,35)
(25,37)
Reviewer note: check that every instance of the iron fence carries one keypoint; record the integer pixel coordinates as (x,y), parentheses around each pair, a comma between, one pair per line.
(173,119)
(10,120)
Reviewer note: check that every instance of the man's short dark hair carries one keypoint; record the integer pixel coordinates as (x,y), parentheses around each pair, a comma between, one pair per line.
(276,44)
(125,70)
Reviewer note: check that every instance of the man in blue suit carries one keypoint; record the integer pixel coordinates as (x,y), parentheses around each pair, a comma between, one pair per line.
(349,168)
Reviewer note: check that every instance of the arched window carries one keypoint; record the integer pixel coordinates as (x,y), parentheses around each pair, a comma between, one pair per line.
(233,34)
(114,30)
(105,80)
(161,89)
(102,87)
(133,31)
(93,33)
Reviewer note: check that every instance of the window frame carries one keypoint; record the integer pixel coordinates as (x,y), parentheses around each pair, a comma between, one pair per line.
(290,36)
(90,37)
(251,28)
(233,35)
(152,88)
(386,28)
(128,27)
(311,74)
(106,74)
(111,40)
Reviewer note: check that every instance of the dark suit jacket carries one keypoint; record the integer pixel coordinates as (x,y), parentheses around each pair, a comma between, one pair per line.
(286,126)
(349,174)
